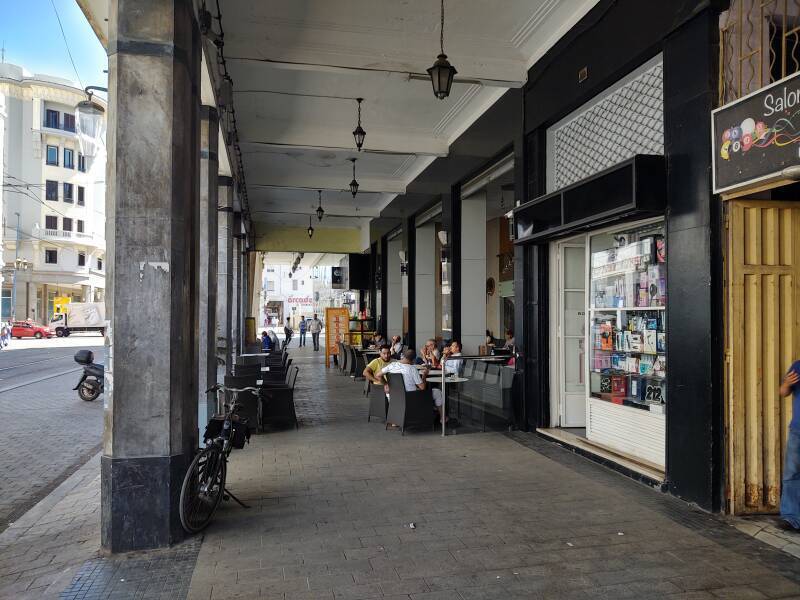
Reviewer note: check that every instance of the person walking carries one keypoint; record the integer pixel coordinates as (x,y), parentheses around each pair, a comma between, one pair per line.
(287,333)
(315,327)
(303,325)
(790,490)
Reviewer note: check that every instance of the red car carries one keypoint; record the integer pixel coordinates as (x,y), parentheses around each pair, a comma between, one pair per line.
(23,329)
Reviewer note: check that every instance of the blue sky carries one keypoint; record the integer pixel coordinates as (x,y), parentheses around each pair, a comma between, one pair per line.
(29,30)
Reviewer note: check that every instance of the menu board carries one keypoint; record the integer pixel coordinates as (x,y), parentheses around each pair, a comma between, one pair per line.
(337,328)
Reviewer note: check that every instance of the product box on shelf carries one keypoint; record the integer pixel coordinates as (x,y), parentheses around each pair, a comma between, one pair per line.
(646,364)
(633,364)
(654,389)
(636,343)
(619,387)
(660,365)
(650,341)
(661,342)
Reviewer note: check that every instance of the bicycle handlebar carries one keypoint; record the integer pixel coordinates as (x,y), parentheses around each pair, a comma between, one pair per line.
(219,386)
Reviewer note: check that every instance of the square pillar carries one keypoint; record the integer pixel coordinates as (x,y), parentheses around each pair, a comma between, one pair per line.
(425,257)
(224,279)
(236,296)
(394,289)
(151,228)
(473,272)
(206,288)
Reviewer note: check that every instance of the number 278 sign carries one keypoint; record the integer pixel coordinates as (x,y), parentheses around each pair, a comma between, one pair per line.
(756,137)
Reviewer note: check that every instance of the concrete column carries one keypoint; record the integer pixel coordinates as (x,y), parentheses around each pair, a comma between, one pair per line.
(151,230)
(224,278)
(206,289)
(394,289)
(425,284)
(473,272)
(236,266)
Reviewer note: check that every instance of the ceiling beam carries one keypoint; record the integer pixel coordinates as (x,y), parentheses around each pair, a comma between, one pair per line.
(314,181)
(518,68)
(375,143)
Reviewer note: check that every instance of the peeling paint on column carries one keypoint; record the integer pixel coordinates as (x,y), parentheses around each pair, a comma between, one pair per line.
(164,266)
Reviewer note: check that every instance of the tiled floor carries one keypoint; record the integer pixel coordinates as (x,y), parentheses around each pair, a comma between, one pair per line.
(343,509)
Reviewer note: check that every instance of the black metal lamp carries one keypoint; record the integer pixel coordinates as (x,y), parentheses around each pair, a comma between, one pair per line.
(320,210)
(442,72)
(358,133)
(354,183)
(310,228)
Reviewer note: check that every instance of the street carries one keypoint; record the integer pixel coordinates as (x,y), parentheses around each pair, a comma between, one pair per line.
(47,431)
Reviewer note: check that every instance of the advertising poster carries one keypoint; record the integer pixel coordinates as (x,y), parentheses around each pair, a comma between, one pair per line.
(337,327)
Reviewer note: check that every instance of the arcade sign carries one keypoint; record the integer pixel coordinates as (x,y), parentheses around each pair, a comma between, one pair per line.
(757,137)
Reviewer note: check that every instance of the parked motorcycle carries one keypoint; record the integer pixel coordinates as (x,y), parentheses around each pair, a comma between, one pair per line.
(91,384)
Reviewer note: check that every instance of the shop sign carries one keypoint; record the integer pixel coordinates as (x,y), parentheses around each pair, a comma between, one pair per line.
(756,137)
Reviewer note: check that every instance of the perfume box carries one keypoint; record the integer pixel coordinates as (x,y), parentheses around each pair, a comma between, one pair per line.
(650,341)
(661,342)
(633,364)
(646,365)
(636,343)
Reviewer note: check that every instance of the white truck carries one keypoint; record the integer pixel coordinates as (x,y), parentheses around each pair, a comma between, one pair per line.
(80,316)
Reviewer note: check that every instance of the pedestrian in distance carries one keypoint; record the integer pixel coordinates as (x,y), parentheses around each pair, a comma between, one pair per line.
(287,332)
(303,326)
(315,327)
(790,490)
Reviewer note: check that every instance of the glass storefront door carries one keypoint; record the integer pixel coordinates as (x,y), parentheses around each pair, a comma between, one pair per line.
(572,333)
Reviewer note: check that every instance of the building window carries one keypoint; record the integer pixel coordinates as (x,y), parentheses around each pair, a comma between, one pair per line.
(81,200)
(51,119)
(69,159)
(69,122)
(5,306)
(81,163)
(270,285)
(51,192)
(294,285)
(80,226)
(52,155)
(99,264)
(68,190)
(81,258)
(66,224)
(51,222)
(51,257)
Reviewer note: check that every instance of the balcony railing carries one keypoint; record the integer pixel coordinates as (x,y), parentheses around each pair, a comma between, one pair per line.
(58,233)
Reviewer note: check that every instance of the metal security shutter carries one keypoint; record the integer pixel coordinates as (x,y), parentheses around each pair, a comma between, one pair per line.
(626,120)
(639,434)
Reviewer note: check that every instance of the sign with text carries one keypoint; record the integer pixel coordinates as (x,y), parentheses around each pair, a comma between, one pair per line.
(757,136)
(337,329)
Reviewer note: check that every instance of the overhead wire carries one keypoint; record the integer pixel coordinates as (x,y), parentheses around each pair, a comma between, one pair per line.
(64,37)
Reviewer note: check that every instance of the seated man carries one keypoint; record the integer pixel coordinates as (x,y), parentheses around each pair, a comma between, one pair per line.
(451,367)
(397,346)
(430,354)
(413,380)
(266,342)
(376,366)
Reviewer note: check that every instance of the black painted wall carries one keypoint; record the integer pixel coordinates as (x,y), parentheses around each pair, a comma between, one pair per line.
(410,244)
(686,33)
(451,222)
(694,310)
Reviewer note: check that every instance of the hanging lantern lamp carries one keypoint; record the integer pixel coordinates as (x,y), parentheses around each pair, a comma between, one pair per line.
(354,183)
(320,210)
(310,228)
(358,133)
(442,72)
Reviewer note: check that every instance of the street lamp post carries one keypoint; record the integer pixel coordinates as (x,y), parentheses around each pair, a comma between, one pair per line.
(19,264)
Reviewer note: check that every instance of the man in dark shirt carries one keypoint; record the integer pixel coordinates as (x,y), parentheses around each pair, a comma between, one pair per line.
(790,492)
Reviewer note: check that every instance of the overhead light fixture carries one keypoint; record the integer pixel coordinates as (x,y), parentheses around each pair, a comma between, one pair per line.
(358,133)
(442,235)
(310,228)
(225,92)
(354,183)
(442,72)
(320,210)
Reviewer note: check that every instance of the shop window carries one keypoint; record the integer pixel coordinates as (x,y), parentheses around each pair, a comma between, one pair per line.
(81,196)
(67,224)
(69,158)
(51,222)
(81,259)
(627,340)
(51,118)
(69,122)
(51,256)
(68,191)
(51,190)
(52,155)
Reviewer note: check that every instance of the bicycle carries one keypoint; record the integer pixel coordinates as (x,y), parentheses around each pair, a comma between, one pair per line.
(204,484)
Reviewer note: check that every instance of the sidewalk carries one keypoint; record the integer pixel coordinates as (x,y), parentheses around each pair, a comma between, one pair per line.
(332,508)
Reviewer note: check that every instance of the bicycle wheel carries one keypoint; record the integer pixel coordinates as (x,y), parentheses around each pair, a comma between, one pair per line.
(202,489)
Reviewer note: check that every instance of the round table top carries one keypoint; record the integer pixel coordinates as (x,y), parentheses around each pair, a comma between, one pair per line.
(434,371)
(449,379)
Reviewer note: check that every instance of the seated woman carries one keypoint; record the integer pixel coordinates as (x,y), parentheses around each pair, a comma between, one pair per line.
(510,343)
(378,340)
(266,342)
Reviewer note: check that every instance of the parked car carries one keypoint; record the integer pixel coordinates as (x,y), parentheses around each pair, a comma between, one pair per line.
(24,329)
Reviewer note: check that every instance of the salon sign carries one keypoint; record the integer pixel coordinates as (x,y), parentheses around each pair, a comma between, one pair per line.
(756,137)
